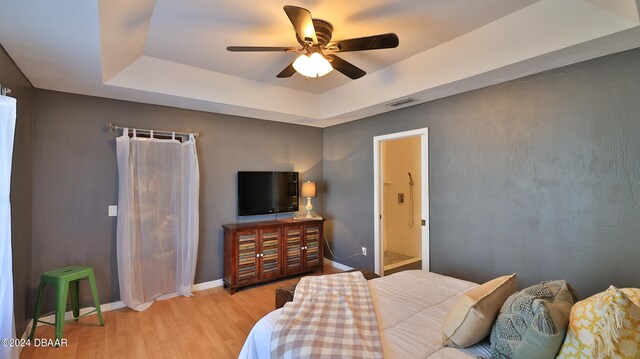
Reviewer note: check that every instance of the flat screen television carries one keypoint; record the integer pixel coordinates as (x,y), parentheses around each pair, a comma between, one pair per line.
(267,192)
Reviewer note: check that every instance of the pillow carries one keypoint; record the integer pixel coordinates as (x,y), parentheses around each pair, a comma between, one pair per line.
(470,318)
(532,323)
(605,325)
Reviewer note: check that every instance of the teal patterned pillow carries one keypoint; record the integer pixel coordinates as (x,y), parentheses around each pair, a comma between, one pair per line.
(533,322)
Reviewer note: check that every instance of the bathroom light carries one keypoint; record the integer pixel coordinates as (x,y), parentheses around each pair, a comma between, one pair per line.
(314,65)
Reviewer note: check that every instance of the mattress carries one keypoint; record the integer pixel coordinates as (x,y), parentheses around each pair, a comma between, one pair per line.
(410,307)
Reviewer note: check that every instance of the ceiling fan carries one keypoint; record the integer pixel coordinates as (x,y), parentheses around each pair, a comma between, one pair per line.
(319,57)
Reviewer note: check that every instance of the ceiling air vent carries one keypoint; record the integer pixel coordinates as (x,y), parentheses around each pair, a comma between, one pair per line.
(400,102)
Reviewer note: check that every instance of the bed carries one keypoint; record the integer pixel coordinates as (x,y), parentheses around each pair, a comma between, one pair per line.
(410,307)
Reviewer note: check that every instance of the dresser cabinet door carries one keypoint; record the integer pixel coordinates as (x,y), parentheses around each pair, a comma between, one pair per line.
(248,256)
(292,241)
(312,243)
(269,253)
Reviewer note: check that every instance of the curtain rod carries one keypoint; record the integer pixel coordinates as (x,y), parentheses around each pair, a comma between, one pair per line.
(4,90)
(113,127)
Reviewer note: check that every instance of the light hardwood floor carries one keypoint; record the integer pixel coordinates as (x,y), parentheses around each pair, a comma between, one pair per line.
(211,324)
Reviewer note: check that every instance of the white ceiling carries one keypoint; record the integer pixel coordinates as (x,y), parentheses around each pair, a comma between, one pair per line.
(173,52)
(198,33)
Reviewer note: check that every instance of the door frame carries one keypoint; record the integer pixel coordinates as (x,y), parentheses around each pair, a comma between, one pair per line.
(377,190)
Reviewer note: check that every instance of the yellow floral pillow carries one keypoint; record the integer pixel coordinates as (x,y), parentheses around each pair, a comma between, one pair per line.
(606,325)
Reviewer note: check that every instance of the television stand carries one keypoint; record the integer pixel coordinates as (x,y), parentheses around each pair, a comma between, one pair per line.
(257,252)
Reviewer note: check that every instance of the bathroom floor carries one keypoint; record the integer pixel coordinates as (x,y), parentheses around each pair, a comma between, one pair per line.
(410,266)
(393,258)
(396,262)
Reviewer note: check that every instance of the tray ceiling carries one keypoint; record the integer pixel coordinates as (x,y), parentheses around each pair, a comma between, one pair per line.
(172,52)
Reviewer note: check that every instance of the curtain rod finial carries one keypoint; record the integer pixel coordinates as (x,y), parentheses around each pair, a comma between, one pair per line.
(4,90)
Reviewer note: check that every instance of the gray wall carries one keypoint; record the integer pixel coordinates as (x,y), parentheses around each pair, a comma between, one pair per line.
(539,176)
(76,176)
(21,184)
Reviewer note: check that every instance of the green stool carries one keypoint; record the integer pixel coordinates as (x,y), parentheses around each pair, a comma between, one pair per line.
(63,279)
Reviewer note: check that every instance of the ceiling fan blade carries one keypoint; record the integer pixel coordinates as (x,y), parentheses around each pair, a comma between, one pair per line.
(260,48)
(302,23)
(345,67)
(287,72)
(384,41)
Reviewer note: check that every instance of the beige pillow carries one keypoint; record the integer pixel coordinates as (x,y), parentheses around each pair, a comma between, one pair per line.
(471,317)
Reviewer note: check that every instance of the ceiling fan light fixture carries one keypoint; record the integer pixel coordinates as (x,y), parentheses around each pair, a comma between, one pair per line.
(314,65)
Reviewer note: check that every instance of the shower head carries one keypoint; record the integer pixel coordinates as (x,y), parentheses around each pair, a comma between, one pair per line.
(410,179)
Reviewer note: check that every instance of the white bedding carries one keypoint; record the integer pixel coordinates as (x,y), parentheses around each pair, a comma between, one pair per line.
(410,307)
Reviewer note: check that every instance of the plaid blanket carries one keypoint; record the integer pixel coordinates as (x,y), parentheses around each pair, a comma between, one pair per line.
(331,316)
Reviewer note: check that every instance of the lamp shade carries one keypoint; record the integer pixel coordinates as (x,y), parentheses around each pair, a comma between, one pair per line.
(314,65)
(308,189)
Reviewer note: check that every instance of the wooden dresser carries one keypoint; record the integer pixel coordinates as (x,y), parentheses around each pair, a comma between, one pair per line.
(257,252)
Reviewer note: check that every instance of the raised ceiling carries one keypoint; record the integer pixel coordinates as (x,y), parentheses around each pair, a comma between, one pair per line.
(420,25)
(173,53)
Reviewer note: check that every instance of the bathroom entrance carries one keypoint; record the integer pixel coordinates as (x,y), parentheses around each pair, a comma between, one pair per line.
(402,236)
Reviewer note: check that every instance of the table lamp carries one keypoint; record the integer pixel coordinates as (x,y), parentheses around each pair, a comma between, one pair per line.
(308,190)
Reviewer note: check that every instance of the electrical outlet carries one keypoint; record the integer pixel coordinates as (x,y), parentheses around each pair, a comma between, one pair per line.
(400,197)
(113,211)
(364,251)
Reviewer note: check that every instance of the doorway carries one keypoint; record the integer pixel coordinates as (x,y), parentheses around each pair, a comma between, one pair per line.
(401,201)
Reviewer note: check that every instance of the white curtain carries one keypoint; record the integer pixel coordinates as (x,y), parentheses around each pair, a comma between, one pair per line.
(157,218)
(7,131)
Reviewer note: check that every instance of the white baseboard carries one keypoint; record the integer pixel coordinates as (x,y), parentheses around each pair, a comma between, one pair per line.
(207,285)
(195,288)
(111,306)
(117,305)
(337,265)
